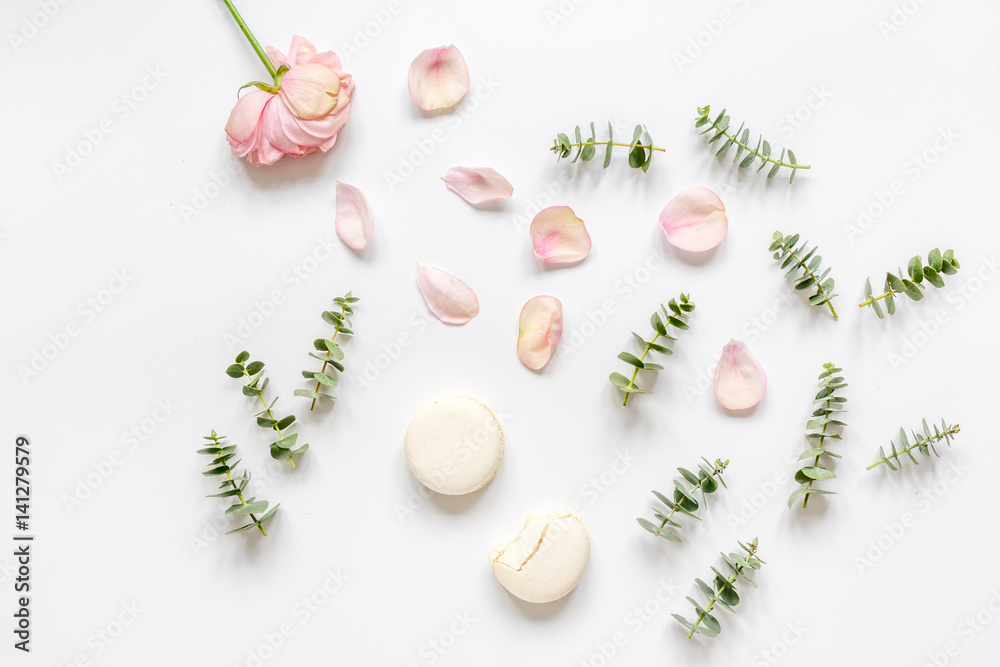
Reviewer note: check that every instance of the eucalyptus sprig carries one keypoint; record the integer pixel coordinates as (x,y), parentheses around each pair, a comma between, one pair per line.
(818,432)
(706,481)
(741,139)
(676,317)
(640,149)
(922,443)
(806,263)
(232,486)
(331,354)
(912,284)
(284,446)
(722,591)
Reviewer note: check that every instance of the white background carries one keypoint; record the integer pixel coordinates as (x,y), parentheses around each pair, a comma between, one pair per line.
(868,103)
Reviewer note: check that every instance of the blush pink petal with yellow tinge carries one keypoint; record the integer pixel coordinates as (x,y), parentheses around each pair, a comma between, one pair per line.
(438,78)
(559,237)
(695,220)
(478,184)
(450,299)
(355,220)
(540,329)
(740,381)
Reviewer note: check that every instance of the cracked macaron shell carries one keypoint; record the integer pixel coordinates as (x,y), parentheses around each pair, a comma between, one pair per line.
(454,445)
(546,560)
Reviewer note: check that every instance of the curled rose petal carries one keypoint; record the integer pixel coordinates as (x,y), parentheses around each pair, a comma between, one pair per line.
(450,299)
(740,381)
(540,330)
(695,220)
(355,221)
(438,78)
(559,236)
(477,184)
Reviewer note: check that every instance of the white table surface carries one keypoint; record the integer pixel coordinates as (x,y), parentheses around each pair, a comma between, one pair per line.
(887,572)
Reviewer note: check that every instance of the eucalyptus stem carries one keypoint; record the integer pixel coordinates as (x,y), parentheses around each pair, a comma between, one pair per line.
(635,371)
(270,415)
(333,339)
(239,494)
(924,444)
(253,41)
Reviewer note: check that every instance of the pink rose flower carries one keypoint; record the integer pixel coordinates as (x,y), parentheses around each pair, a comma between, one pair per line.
(302,114)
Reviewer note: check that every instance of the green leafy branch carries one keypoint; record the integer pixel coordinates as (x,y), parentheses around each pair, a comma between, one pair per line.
(284,446)
(818,432)
(640,154)
(676,317)
(706,481)
(232,486)
(741,139)
(922,443)
(807,263)
(912,284)
(722,591)
(331,355)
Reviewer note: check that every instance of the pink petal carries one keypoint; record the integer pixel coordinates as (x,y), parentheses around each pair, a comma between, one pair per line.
(695,220)
(450,299)
(559,236)
(478,184)
(310,90)
(540,330)
(355,221)
(740,381)
(438,78)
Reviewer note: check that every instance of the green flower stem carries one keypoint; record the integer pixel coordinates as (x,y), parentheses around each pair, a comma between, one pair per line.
(635,372)
(323,370)
(768,158)
(701,482)
(919,443)
(239,494)
(812,275)
(613,143)
(876,298)
(805,500)
(730,580)
(253,41)
(267,408)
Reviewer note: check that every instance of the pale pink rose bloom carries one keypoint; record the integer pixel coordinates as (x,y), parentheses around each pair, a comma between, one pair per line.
(303,117)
